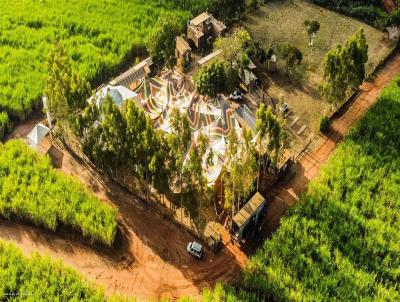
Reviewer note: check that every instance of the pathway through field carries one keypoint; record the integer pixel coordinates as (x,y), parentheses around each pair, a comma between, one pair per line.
(152,262)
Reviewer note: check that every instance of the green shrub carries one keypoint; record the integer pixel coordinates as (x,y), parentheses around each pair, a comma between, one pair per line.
(4,124)
(368,11)
(324,124)
(38,279)
(32,190)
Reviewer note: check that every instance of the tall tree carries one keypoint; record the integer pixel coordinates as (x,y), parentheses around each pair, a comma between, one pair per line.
(179,143)
(292,55)
(312,29)
(344,68)
(239,170)
(65,89)
(271,135)
(215,78)
(161,41)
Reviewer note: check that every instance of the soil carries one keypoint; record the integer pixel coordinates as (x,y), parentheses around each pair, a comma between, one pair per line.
(150,259)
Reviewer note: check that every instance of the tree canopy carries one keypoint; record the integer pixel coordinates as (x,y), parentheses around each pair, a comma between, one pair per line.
(344,68)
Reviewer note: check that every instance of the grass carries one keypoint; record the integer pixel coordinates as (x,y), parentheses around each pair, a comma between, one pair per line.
(37,278)
(31,190)
(100,36)
(278,22)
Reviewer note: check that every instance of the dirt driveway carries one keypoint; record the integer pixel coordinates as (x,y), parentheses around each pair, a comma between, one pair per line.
(151,261)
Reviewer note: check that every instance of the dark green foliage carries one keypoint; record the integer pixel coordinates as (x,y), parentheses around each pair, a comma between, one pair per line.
(31,190)
(292,55)
(344,68)
(161,41)
(324,124)
(99,36)
(341,241)
(368,11)
(4,124)
(210,79)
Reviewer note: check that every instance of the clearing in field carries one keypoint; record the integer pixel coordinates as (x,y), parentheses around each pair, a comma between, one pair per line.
(281,22)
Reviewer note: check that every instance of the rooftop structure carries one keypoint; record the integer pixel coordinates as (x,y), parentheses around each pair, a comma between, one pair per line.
(134,74)
(182,51)
(203,29)
(209,58)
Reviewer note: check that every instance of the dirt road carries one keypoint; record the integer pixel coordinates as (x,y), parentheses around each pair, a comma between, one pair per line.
(287,194)
(151,262)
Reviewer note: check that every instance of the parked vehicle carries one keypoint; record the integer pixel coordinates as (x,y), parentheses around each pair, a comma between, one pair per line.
(195,249)
(236,95)
(284,108)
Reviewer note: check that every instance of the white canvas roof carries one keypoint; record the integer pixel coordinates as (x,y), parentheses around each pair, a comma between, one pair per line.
(118,94)
(38,133)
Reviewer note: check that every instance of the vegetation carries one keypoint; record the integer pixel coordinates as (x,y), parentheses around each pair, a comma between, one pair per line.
(161,41)
(239,171)
(312,29)
(4,124)
(344,68)
(292,56)
(37,278)
(324,124)
(31,190)
(65,90)
(99,36)
(368,11)
(340,242)
(215,78)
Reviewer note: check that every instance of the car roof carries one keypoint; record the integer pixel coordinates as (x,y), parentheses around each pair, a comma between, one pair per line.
(197,246)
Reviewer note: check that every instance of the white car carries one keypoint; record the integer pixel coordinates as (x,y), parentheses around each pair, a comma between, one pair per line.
(195,249)
(236,95)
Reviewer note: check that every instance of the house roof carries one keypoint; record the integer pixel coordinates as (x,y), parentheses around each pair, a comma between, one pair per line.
(200,19)
(208,58)
(135,73)
(181,45)
(38,133)
(246,213)
(219,26)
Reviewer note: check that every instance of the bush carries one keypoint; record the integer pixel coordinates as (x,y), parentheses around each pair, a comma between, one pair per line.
(324,124)
(31,190)
(38,279)
(368,11)
(4,124)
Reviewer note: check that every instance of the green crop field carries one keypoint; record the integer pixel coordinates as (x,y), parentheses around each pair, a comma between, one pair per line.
(37,278)
(31,190)
(99,36)
(341,241)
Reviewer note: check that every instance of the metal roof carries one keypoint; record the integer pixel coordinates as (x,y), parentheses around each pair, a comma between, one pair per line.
(133,74)
(248,210)
(200,19)
(208,58)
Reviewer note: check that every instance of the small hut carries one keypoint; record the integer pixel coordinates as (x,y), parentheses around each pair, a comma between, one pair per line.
(183,52)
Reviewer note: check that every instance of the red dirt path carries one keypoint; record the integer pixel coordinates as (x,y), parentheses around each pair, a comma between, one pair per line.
(152,262)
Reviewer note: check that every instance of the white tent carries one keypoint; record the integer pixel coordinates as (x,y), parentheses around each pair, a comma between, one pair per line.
(37,134)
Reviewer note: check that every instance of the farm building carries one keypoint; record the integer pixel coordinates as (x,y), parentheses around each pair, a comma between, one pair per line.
(204,29)
(183,52)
